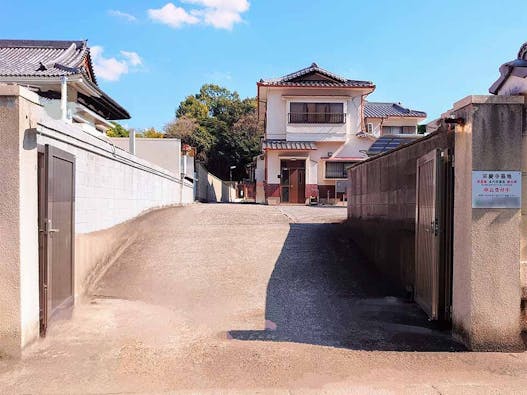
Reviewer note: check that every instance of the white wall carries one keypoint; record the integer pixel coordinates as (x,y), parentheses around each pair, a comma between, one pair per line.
(111,185)
(278,104)
(314,165)
(165,153)
(514,86)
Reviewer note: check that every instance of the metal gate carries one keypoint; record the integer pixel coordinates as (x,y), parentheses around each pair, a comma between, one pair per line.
(57,232)
(433,244)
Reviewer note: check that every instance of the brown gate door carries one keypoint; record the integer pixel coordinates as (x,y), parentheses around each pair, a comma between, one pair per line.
(428,229)
(301,186)
(57,228)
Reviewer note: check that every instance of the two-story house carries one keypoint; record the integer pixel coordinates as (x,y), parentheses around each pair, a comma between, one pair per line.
(316,125)
(61,73)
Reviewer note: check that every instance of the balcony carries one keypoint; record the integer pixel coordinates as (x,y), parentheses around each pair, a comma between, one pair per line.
(317,117)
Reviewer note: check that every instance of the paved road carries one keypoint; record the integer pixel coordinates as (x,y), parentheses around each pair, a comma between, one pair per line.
(251,299)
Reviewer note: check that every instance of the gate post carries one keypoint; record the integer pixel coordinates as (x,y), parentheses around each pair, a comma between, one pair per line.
(19,292)
(486,252)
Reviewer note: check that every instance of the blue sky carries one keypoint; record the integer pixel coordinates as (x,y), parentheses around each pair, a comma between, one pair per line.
(425,54)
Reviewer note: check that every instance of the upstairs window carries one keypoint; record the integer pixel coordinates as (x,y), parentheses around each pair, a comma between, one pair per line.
(398,130)
(317,113)
(337,169)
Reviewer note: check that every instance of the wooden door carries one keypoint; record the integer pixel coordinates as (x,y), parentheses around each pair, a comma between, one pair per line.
(302,185)
(428,233)
(57,232)
(293,188)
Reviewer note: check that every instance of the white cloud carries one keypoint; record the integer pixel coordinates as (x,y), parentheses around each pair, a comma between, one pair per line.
(133,58)
(221,14)
(229,5)
(124,15)
(111,69)
(172,16)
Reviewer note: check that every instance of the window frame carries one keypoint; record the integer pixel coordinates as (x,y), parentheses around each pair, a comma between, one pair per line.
(323,116)
(346,164)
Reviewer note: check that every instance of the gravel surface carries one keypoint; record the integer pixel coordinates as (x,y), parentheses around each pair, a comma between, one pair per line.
(251,299)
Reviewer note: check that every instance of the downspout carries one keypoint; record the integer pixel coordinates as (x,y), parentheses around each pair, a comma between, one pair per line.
(64,98)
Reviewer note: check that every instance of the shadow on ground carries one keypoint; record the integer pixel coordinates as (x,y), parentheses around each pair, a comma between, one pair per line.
(322,292)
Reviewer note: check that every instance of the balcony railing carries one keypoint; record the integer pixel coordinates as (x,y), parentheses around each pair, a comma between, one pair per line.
(316,117)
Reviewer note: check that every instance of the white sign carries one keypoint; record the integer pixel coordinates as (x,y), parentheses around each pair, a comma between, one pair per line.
(496,189)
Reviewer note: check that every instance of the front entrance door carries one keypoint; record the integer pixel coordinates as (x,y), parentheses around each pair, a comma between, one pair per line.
(293,181)
(57,232)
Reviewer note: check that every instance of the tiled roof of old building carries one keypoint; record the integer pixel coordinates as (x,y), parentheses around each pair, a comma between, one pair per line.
(383,110)
(34,58)
(30,61)
(516,67)
(288,145)
(315,76)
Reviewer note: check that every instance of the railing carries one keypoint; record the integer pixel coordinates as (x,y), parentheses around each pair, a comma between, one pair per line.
(316,117)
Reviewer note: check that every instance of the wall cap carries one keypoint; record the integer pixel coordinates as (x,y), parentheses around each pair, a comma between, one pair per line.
(488,99)
(17,90)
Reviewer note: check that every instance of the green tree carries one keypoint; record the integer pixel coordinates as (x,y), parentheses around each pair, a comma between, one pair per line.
(222,127)
(192,108)
(190,132)
(421,129)
(117,131)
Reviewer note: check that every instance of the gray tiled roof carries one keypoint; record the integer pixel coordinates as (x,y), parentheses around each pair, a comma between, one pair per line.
(288,145)
(298,78)
(516,67)
(382,110)
(33,58)
(24,61)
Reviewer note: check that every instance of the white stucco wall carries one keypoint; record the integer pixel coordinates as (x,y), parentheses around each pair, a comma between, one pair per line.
(278,108)
(314,165)
(514,86)
(165,153)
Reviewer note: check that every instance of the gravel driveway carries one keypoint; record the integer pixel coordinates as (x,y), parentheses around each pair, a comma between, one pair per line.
(251,299)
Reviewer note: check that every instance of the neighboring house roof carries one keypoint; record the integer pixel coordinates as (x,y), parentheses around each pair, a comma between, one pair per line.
(288,145)
(383,110)
(29,61)
(388,143)
(517,68)
(315,76)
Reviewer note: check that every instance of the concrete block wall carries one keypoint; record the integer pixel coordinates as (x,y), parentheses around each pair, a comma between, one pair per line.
(381,207)
(111,185)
